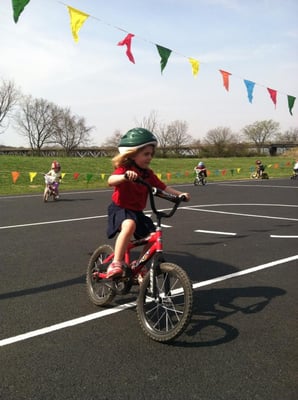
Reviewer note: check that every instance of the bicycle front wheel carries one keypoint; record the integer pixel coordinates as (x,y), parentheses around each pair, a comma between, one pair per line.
(98,291)
(165,316)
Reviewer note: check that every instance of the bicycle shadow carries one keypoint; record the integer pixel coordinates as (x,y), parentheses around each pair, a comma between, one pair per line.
(212,306)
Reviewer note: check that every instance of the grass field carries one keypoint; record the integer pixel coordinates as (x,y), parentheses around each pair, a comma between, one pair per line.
(92,173)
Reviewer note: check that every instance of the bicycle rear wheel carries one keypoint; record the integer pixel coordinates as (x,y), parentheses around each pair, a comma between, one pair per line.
(165,317)
(99,293)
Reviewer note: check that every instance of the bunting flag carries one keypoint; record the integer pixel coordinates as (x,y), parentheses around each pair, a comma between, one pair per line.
(273,95)
(102,176)
(89,177)
(195,66)
(250,87)
(127,42)
(291,101)
(32,175)
(164,55)
(77,18)
(15,176)
(18,7)
(76,175)
(63,174)
(226,78)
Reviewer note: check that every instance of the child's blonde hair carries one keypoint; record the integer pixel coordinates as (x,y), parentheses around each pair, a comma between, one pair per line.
(126,159)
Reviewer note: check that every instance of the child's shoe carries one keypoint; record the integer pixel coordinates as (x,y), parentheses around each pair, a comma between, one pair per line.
(114,269)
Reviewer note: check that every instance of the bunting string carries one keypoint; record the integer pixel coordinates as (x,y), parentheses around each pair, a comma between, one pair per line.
(78,18)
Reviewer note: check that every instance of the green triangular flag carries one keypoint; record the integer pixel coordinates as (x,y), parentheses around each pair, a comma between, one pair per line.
(18,7)
(164,54)
(291,101)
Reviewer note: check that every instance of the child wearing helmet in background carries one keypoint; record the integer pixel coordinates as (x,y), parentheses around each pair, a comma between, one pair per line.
(55,175)
(125,213)
(200,169)
(260,168)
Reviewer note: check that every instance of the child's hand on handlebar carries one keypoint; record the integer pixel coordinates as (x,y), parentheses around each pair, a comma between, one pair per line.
(131,175)
(185,196)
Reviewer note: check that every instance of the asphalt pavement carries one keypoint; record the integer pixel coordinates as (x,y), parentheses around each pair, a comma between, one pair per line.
(238,243)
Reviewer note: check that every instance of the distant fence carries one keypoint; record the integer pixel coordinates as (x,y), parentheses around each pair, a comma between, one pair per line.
(95,152)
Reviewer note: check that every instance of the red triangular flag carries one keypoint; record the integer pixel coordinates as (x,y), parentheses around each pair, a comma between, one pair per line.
(273,95)
(225,77)
(127,42)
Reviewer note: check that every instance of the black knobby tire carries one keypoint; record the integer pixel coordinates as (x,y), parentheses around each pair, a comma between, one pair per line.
(203,181)
(196,182)
(98,291)
(166,319)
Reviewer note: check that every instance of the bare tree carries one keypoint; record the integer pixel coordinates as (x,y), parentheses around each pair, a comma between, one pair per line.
(261,131)
(177,135)
(220,139)
(151,122)
(9,96)
(114,140)
(289,136)
(69,131)
(35,121)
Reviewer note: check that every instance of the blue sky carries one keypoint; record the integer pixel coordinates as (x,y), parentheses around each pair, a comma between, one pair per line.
(255,40)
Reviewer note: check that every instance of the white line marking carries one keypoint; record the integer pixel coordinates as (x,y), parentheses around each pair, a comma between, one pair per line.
(284,236)
(244,272)
(216,232)
(103,313)
(240,214)
(52,222)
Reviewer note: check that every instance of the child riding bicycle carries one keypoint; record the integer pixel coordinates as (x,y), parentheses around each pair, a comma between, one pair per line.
(125,213)
(53,178)
(201,169)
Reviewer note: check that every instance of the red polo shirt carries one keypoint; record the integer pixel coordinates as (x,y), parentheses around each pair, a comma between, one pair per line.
(131,195)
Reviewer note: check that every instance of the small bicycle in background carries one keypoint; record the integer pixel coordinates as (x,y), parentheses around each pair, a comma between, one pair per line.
(164,303)
(51,188)
(200,179)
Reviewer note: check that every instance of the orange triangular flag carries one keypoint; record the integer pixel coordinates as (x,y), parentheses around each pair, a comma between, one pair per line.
(226,78)
(15,176)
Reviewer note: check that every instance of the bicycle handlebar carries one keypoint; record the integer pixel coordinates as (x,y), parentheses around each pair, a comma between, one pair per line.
(154,191)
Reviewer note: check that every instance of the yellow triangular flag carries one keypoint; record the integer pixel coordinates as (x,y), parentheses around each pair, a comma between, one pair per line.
(195,65)
(77,18)
(63,174)
(238,170)
(32,175)
(103,176)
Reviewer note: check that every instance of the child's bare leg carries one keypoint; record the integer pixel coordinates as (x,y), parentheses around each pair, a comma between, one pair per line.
(127,230)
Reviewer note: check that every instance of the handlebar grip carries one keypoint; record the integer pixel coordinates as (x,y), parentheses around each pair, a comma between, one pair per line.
(164,195)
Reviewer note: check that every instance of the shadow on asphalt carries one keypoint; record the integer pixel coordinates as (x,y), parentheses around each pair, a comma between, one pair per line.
(45,288)
(211,307)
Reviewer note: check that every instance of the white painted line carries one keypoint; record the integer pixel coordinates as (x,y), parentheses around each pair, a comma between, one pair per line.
(103,313)
(52,222)
(66,324)
(244,272)
(285,236)
(216,232)
(240,214)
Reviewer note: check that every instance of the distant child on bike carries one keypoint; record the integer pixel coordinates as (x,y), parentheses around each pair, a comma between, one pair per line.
(259,168)
(201,169)
(125,213)
(55,177)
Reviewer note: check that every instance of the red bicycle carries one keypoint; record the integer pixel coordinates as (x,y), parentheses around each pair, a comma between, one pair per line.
(164,303)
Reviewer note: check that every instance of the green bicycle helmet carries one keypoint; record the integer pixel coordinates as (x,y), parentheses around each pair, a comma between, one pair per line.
(136,138)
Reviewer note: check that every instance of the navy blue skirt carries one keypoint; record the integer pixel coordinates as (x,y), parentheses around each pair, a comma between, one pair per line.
(116,215)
